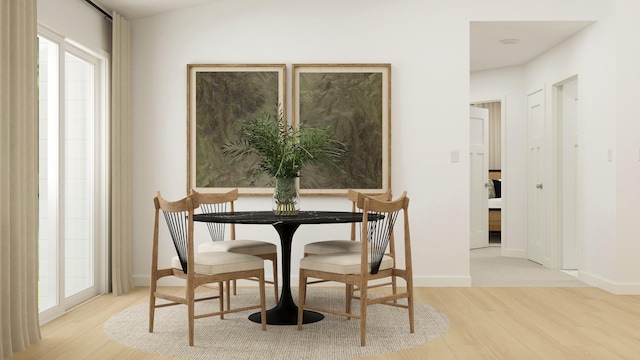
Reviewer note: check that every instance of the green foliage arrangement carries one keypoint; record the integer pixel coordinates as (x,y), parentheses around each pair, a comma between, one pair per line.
(283,151)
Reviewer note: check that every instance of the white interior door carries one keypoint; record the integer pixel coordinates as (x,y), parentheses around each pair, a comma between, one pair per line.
(536,224)
(479,174)
(568,126)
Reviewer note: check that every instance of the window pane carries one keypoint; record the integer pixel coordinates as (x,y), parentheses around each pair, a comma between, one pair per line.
(79,234)
(48,117)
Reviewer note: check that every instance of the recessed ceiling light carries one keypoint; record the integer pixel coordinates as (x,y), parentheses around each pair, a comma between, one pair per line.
(509,41)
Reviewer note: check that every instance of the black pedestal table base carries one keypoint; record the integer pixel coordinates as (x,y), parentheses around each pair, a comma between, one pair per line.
(286,312)
(277,316)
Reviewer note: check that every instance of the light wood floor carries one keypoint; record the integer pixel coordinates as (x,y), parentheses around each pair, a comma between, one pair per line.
(486,323)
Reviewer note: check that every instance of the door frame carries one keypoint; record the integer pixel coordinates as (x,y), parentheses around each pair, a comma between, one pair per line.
(502,99)
(553,171)
(479,230)
(557,171)
(99,177)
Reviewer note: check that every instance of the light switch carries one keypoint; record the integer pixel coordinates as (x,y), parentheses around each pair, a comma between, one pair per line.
(610,154)
(455,155)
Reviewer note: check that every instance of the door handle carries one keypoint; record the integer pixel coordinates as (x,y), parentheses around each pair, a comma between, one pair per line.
(539,186)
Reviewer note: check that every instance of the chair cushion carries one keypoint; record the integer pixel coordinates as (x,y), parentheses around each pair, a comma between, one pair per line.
(340,263)
(219,262)
(249,247)
(332,246)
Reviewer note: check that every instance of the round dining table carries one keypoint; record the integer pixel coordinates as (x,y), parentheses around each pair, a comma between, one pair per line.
(286,311)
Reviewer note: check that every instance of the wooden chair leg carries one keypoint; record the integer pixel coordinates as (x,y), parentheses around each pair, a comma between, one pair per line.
(410,304)
(227,294)
(411,318)
(152,305)
(302,296)
(152,299)
(394,287)
(221,299)
(191,312)
(348,298)
(263,307)
(363,314)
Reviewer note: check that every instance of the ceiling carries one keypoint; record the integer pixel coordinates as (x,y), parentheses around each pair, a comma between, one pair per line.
(486,52)
(133,9)
(534,39)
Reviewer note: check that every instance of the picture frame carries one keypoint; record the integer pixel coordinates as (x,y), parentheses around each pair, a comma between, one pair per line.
(355,100)
(219,98)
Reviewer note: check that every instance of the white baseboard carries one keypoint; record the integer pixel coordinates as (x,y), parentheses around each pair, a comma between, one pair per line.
(608,285)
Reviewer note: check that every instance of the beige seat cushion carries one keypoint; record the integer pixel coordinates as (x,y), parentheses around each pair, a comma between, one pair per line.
(249,247)
(218,262)
(340,263)
(332,246)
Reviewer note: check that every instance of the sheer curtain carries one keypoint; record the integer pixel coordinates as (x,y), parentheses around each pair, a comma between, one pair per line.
(121,262)
(18,176)
(495,139)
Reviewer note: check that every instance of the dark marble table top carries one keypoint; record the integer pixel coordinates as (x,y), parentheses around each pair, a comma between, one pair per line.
(268,217)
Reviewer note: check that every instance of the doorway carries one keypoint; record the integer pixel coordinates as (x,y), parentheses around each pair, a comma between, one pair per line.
(567,122)
(552,179)
(562,203)
(486,181)
(72,223)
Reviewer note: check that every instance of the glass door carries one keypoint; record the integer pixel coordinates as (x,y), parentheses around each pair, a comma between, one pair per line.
(72,176)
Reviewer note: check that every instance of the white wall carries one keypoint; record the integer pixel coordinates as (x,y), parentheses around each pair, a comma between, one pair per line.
(427,43)
(627,154)
(582,55)
(285,32)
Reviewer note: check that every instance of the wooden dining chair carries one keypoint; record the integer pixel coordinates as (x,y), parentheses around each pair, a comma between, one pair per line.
(196,268)
(371,263)
(353,244)
(333,246)
(224,202)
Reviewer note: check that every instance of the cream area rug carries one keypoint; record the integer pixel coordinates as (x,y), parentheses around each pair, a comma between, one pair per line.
(236,337)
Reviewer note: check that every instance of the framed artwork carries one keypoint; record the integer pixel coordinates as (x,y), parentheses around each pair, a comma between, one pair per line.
(219,98)
(355,100)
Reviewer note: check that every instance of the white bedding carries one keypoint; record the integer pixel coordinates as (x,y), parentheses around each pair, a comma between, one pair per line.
(495,203)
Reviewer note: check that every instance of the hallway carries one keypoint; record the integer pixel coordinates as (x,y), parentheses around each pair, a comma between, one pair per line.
(489,269)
